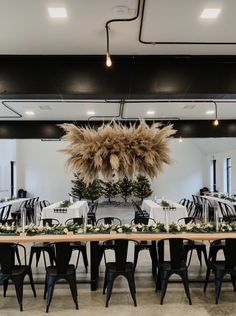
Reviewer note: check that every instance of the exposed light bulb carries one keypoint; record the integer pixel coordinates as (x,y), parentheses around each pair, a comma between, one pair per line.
(216,122)
(108,60)
(180,140)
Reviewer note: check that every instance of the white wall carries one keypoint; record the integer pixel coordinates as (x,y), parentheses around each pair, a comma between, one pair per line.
(41,169)
(185,176)
(8,154)
(220,158)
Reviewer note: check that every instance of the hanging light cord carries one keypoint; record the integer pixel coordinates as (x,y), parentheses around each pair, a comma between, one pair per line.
(118,20)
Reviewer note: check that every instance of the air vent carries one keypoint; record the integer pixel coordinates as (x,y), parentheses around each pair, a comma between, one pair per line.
(44,107)
(189,107)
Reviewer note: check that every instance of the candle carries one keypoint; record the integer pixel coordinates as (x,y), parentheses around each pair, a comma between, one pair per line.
(217,219)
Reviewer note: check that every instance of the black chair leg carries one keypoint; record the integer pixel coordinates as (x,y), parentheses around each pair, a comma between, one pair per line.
(19,291)
(165,277)
(199,254)
(153,255)
(51,253)
(45,288)
(136,253)
(207,277)
(5,286)
(29,272)
(38,253)
(110,280)
(72,282)
(85,258)
(218,282)
(105,283)
(233,281)
(132,289)
(17,255)
(205,255)
(50,288)
(184,276)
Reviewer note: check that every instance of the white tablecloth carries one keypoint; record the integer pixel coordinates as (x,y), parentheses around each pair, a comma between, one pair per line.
(159,215)
(78,209)
(15,204)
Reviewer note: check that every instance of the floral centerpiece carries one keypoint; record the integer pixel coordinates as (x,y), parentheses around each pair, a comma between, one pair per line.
(65,204)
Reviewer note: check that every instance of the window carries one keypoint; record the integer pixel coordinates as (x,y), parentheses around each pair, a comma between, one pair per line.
(213,174)
(228,175)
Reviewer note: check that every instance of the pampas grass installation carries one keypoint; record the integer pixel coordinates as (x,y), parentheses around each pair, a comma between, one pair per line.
(114,148)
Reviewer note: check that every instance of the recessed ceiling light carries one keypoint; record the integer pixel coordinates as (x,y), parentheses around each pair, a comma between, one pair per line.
(210,112)
(57,12)
(29,112)
(210,13)
(90,112)
(150,112)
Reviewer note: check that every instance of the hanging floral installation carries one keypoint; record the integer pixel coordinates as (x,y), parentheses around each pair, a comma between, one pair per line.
(114,148)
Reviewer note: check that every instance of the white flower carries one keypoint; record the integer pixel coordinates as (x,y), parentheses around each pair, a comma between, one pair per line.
(119,230)
(80,231)
(97,229)
(134,229)
(65,230)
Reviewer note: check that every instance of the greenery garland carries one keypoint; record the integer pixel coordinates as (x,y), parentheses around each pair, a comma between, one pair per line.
(60,229)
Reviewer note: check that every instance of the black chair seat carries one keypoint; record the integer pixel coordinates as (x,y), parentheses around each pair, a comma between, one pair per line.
(52,270)
(167,266)
(129,266)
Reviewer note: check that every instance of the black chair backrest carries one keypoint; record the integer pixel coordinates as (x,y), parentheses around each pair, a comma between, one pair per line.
(120,246)
(7,258)
(6,212)
(226,210)
(93,207)
(75,220)
(229,251)
(50,221)
(63,254)
(143,220)
(109,220)
(177,252)
(43,204)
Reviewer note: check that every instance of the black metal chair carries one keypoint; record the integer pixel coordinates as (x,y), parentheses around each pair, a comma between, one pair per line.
(223,267)
(62,270)
(47,247)
(227,211)
(176,265)
(119,267)
(15,273)
(80,246)
(215,247)
(30,209)
(144,244)
(191,245)
(16,215)
(5,213)
(91,216)
(108,244)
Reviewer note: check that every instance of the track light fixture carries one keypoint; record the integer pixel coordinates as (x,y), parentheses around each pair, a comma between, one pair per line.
(108,60)
(216,122)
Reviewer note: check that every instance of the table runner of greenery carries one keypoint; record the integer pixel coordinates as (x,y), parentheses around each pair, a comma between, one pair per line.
(125,228)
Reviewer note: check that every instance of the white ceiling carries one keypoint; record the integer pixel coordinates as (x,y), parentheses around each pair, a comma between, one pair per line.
(77,110)
(26,27)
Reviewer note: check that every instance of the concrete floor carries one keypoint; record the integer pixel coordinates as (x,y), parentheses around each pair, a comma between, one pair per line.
(93,303)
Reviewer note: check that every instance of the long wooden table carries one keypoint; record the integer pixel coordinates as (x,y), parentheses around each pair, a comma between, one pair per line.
(95,238)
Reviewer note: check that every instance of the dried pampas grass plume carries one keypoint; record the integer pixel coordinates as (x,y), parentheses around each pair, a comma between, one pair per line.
(114,148)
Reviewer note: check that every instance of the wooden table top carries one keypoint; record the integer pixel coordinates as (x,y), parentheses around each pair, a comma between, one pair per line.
(101,237)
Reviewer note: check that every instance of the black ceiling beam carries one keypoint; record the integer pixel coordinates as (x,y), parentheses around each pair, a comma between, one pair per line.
(130,77)
(51,130)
